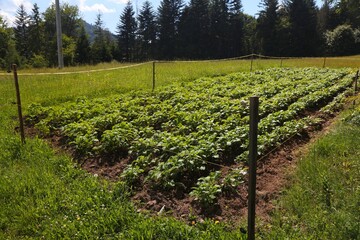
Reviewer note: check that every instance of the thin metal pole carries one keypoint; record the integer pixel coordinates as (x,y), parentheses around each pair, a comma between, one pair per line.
(59,35)
(153,83)
(18,102)
(254,119)
(324,64)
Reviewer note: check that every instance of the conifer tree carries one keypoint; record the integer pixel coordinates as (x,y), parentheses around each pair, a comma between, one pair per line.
(21,31)
(147,31)
(169,13)
(195,29)
(303,27)
(100,50)
(235,32)
(82,53)
(218,28)
(36,31)
(267,24)
(126,30)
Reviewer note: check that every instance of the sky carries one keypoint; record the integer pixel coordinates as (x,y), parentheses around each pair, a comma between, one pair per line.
(110,9)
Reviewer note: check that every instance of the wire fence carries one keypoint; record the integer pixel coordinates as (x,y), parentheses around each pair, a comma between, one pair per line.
(251,57)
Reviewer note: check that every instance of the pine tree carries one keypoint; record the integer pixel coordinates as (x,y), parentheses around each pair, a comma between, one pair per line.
(169,13)
(303,27)
(21,31)
(349,12)
(267,24)
(36,31)
(126,30)
(235,29)
(100,50)
(195,29)
(218,28)
(147,31)
(82,47)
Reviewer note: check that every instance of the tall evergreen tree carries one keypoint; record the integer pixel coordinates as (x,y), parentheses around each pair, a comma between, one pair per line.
(218,28)
(36,31)
(147,31)
(349,12)
(126,30)
(169,13)
(250,43)
(303,27)
(82,53)
(100,50)
(236,29)
(267,24)
(21,31)
(195,29)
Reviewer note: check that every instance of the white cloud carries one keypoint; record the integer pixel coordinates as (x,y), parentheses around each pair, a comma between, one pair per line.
(9,18)
(8,9)
(119,1)
(27,4)
(95,7)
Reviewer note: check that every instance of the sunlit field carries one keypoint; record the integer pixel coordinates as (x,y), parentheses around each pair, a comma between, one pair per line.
(45,195)
(47,85)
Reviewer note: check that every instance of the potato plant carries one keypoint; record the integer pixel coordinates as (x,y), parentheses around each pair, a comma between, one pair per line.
(174,135)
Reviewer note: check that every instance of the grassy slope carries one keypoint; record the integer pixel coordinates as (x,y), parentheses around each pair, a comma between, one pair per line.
(323,201)
(42,194)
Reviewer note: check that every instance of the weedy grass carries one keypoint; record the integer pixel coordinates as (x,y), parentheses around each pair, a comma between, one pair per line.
(75,82)
(44,196)
(323,201)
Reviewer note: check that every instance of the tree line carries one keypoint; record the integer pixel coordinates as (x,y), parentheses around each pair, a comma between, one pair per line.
(200,29)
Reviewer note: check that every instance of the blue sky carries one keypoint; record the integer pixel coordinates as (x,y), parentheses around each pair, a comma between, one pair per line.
(110,9)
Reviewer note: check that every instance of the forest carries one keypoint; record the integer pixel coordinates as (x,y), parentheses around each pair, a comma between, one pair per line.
(198,29)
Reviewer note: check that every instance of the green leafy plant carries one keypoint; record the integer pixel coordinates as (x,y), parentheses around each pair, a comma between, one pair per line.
(207,189)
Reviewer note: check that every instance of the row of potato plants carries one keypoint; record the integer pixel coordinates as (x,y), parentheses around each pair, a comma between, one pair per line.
(176,136)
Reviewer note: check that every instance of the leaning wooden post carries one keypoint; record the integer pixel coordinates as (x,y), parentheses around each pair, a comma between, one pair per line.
(254,119)
(153,82)
(251,65)
(324,63)
(356,80)
(18,102)
(281,62)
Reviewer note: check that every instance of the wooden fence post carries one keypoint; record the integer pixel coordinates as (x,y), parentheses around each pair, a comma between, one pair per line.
(254,119)
(251,65)
(356,80)
(153,82)
(18,102)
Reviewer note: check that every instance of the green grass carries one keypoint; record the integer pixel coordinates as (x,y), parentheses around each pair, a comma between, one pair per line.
(323,201)
(42,194)
(58,88)
(44,197)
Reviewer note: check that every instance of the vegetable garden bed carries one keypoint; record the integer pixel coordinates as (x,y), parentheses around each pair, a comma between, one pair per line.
(190,141)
